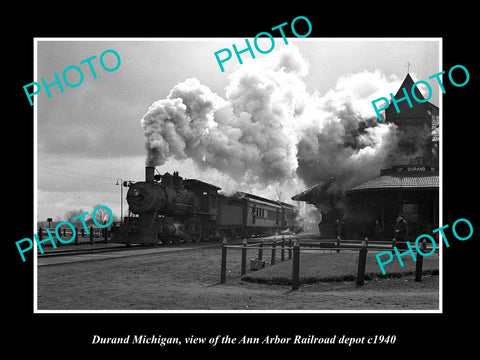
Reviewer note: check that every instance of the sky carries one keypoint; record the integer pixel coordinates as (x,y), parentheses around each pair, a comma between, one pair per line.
(91,135)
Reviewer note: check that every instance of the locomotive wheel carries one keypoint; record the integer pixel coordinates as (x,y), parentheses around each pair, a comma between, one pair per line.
(192,227)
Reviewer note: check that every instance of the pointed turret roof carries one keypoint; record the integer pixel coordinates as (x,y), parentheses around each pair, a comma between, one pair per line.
(407,84)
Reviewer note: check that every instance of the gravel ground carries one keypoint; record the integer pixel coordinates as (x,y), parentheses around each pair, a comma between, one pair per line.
(189,280)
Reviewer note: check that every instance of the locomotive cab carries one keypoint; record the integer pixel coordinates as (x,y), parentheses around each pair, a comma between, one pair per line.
(207,195)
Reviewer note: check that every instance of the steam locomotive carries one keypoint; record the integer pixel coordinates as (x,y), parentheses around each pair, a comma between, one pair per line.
(167,208)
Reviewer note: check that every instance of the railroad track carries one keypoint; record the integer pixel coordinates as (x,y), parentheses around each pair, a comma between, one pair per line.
(71,252)
(121,248)
(56,256)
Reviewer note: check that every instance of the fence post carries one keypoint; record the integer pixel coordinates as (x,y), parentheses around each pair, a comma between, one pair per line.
(91,234)
(76,236)
(244,257)
(394,243)
(272,260)
(223,269)
(338,244)
(282,253)
(59,243)
(40,235)
(260,251)
(296,266)
(419,263)
(362,261)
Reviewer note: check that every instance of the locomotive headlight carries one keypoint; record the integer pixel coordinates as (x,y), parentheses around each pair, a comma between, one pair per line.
(135,192)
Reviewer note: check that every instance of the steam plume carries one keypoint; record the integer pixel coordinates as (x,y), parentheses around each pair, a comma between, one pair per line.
(269,132)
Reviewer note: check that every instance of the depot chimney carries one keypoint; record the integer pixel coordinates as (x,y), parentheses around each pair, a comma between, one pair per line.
(149,173)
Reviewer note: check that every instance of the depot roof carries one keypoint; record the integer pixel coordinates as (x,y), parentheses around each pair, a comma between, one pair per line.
(402,178)
(399,177)
(315,192)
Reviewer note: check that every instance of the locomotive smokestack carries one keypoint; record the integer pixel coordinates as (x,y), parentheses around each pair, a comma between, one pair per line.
(149,173)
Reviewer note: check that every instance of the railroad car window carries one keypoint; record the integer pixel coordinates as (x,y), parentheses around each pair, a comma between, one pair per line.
(257,212)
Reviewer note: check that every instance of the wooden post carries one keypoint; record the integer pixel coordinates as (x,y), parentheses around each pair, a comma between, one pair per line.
(76,236)
(419,264)
(223,269)
(260,251)
(362,261)
(244,257)
(282,253)
(105,234)
(40,235)
(91,234)
(289,249)
(296,266)
(394,243)
(338,244)
(59,243)
(272,260)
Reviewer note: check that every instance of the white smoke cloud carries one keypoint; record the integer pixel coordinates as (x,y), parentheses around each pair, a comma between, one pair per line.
(358,90)
(269,132)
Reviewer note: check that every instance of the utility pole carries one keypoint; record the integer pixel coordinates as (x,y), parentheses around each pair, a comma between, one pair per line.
(121,198)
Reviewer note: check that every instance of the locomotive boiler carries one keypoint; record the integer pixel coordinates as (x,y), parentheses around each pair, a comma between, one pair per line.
(168,208)
(160,195)
(160,209)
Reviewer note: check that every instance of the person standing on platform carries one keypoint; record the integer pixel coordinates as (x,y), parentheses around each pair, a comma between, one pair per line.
(337,229)
(343,230)
(377,230)
(400,229)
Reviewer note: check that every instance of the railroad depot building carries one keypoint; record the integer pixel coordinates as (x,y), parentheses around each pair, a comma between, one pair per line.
(408,190)
(410,186)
